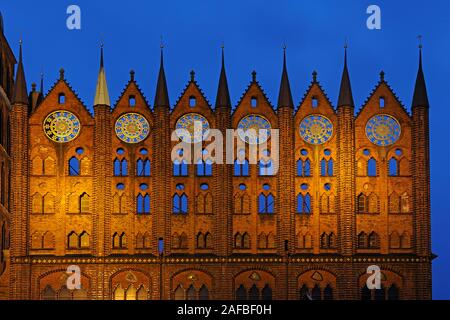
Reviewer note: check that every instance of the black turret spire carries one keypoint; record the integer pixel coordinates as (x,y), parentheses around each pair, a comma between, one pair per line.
(285,95)
(162,96)
(345,93)
(20,86)
(223,94)
(420,98)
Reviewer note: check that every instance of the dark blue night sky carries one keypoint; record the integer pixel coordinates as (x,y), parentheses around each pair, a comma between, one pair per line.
(253,33)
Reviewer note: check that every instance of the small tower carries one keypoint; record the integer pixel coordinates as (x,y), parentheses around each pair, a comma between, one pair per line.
(346,175)
(161,199)
(421,163)
(285,240)
(224,183)
(20,191)
(286,227)
(102,164)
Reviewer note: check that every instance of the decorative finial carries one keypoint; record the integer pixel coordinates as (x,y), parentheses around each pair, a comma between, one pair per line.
(222,46)
(132,73)
(284,47)
(346,43)
(42,81)
(382,74)
(314,74)
(61,74)
(33,86)
(192,76)
(420,41)
(161,43)
(254,76)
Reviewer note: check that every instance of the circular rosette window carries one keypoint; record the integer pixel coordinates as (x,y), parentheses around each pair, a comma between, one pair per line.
(192,128)
(62,126)
(254,129)
(383,130)
(316,129)
(132,128)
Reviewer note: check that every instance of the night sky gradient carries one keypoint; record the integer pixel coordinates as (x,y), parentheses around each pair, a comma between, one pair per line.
(253,33)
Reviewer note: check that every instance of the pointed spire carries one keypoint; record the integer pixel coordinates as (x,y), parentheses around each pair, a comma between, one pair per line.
(420,98)
(42,83)
(162,96)
(1,23)
(101,93)
(223,94)
(345,93)
(285,95)
(20,86)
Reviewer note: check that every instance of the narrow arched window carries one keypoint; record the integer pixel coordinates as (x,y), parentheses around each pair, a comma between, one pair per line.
(362,240)
(363,206)
(253,293)
(266,204)
(143,168)
(307,168)
(241,168)
(372,167)
(267,292)
(74,167)
(241,293)
(323,168)
(393,167)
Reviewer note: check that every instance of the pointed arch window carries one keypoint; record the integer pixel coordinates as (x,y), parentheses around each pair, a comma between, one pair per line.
(394,240)
(49,203)
(72,240)
(200,241)
(143,167)
(179,293)
(374,241)
(316,293)
(241,293)
(266,204)
(180,204)
(363,203)
(120,167)
(362,240)
(304,204)
(372,167)
(143,204)
(84,203)
(304,168)
(266,168)
(180,168)
(393,167)
(328,293)
(241,168)
(405,203)
(328,241)
(253,293)
(84,240)
(191,293)
(74,166)
(204,168)
(203,293)
(119,241)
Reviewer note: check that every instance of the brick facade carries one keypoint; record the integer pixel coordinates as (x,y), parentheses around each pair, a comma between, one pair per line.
(288,254)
